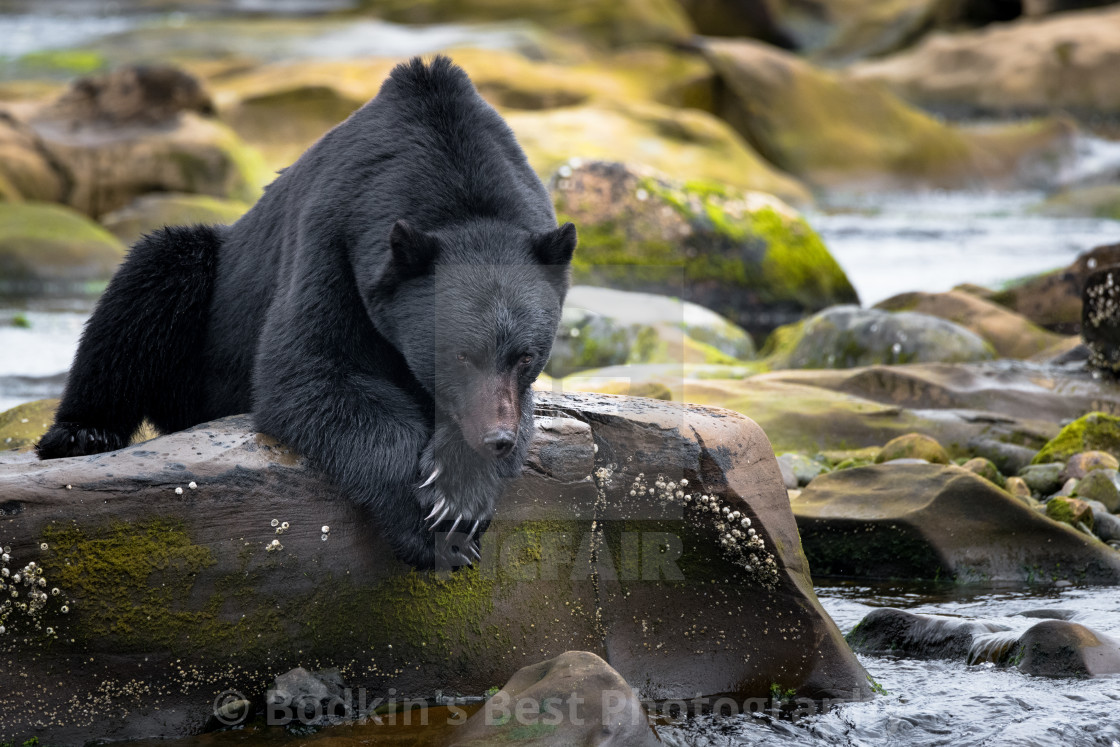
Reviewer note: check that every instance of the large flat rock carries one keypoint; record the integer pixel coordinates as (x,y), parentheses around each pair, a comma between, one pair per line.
(929,521)
(175,597)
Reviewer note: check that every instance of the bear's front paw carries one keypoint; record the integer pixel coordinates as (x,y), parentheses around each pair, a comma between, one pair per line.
(72,439)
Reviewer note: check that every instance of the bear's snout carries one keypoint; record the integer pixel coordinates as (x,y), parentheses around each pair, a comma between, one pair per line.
(500,441)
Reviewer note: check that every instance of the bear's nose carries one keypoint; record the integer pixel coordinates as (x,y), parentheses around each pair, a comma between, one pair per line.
(500,442)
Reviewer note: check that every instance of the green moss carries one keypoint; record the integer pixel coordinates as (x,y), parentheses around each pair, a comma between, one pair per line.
(15,433)
(1093,432)
(74,61)
(1060,510)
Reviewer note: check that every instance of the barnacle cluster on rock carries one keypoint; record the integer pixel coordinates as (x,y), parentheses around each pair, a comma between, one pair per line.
(25,597)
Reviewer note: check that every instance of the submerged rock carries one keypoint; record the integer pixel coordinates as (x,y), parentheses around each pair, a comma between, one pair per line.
(1052,648)
(939,522)
(850,337)
(892,632)
(745,255)
(1058,648)
(575,698)
(580,556)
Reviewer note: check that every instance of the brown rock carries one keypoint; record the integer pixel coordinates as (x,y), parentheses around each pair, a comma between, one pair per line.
(1085,462)
(1018,487)
(1053,300)
(1012,335)
(134,95)
(913,446)
(931,521)
(157,580)
(1058,648)
(576,698)
(1065,62)
(27,169)
(1069,510)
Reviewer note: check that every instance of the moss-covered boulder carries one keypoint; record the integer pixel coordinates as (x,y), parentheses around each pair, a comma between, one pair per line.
(913,446)
(984,468)
(1010,335)
(1069,511)
(21,426)
(203,552)
(283,107)
(52,249)
(1053,299)
(1043,479)
(833,130)
(1065,62)
(154,211)
(1093,432)
(928,521)
(604,327)
(849,337)
(613,23)
(690,144)
(1101,485)
(745,255)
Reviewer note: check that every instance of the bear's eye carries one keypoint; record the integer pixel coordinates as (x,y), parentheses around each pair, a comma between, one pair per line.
(461,357)
(527,359)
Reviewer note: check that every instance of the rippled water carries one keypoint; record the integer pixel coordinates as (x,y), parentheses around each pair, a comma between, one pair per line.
(947,702)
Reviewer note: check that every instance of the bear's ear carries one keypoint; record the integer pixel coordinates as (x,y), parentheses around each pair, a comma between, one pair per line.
(414,252)
(556,247)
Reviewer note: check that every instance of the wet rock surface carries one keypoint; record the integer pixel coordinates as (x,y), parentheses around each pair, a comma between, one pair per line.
(585,701)
(1052,648)
(920,521)
(204,552)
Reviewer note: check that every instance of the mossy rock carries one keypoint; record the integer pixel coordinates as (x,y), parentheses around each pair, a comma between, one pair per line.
(747,256)
(23,425)
(1101,485)
(848,337)
(832,129)
(1093,432)
(1069,511)
(605,327)
(1010,334)
(48,248)
(913,446)
(152,212)
(613,24)
(987,470)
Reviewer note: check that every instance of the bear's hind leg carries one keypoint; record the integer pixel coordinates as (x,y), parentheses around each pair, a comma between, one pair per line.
(142,349)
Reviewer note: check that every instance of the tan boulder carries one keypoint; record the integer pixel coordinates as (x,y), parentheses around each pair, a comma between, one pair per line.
(1065,62)
(1012,335)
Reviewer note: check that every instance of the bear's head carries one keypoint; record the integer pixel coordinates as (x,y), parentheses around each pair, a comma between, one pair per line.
(474,310)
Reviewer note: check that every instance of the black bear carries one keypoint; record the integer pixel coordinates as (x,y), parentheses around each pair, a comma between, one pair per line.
(383,308)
